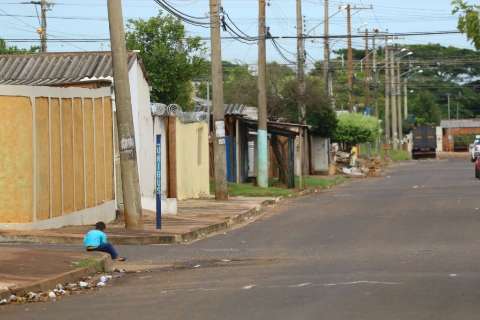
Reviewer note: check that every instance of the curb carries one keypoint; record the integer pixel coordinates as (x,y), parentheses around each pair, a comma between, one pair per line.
(101,264)
(191,236)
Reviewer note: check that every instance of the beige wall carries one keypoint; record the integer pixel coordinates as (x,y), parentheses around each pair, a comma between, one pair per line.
(192,160)
(56,154)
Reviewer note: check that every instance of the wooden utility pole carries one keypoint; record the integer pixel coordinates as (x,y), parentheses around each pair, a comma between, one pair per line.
(301,86)
(393,99)
(42,30)
(350,58)
(43,34)
(262,134)
(367,70)
(220,160)
(126,134)
(387,92)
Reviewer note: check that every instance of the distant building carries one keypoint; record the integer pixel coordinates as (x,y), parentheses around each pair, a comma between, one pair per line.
(458,134)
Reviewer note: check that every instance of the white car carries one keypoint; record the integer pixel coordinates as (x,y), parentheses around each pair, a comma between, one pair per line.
(475,149)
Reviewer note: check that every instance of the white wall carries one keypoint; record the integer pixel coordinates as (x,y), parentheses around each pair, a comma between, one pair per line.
(320,149)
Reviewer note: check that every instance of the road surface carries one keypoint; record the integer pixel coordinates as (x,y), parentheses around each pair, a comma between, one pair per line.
(406,246)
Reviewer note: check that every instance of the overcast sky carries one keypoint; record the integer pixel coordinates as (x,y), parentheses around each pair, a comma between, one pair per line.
(88,19)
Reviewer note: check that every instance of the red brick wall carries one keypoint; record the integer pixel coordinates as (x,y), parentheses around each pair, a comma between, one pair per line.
(449,134)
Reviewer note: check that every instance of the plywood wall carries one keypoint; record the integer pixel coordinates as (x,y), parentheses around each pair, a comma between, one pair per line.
(16,165)
(56,156)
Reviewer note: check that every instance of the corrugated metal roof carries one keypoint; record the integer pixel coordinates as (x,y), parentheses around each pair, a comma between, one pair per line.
(57,68)
(230,109)
(464,123)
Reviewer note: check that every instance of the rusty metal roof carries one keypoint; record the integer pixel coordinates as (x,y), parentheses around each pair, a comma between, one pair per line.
(49,69)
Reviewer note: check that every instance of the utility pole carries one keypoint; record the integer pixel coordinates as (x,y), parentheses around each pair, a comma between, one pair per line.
(399,102)
(220,160)
(262,134)
(393,99)
(374,67)
(448,95)
(43,34)
(405,97)
(367,70)
(326,47)
(349,8)
(42,30)
(350,58)
(387,92)
(301,86)
(126,133)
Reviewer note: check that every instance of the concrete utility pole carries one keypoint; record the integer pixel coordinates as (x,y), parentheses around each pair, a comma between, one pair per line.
(301,86)
(350,58)
(387,93)
(262,134)
(374,69)
(399,102)
(448,95)
(349,8)
(126,134)
(393,99)
(326,47)
(405,98)
(367,70)
(220,160)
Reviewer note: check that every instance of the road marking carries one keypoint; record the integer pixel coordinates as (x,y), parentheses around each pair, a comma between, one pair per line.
(301,285)
(352,283)
(250,286)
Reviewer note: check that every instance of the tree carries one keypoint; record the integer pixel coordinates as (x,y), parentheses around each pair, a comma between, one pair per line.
(355,128)
(469,20)
(6,49)
(172,59)
(239,85)
(319,112)
(425,109)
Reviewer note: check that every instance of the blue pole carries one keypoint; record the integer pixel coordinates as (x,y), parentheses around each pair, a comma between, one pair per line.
(158,181)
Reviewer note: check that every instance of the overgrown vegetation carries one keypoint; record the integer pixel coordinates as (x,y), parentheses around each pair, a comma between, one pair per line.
(355,128)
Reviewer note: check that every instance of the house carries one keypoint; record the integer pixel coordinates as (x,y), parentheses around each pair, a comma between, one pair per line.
(284,138)
(94,70)
(56,164)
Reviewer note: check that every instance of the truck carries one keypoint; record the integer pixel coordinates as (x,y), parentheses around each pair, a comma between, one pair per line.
(424,142)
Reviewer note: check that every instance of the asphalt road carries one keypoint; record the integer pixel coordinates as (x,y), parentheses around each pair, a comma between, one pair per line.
(406,246)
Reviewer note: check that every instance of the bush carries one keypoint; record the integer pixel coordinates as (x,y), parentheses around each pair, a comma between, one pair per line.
(355,128)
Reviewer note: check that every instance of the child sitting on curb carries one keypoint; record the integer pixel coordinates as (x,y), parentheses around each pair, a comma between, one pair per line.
(96,240)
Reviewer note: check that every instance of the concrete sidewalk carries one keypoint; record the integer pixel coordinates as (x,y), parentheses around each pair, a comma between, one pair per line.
(196,220)
(24,269)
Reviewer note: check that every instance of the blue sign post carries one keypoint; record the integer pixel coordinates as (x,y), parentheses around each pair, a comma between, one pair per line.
(158,181)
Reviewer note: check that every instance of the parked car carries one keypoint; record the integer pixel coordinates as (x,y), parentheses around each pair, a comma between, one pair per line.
(477,168)
(474,149)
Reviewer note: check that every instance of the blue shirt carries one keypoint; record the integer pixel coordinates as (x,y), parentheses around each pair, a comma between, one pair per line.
(94,238)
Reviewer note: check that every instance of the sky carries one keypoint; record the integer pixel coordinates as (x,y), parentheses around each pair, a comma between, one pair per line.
(76,19)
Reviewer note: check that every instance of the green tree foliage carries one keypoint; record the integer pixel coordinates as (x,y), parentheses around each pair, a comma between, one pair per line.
(6,49)
(469,20)
(425,109)
(355,128)
(172,59)
(319,112)
(239,85)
